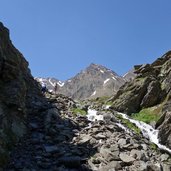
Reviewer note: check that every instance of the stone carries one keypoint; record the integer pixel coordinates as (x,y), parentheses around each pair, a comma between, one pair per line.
(154,167)
(164,157)
(138,154)
(71,162)
(112,166)
(141,165)
(94,168)
(51,148)
(33,125)
(85,138)
(126,158)
(108,154)
(166,167)
(100,136)
(122,142)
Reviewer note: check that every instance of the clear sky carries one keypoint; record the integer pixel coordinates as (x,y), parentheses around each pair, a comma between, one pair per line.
(59,38)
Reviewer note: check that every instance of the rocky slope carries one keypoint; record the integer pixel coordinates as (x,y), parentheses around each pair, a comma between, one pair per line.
(151,87)
(94,81)
(18,92)
(59,139)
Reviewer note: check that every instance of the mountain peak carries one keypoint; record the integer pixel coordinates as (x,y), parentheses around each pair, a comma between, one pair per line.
(93,66)
(94,81)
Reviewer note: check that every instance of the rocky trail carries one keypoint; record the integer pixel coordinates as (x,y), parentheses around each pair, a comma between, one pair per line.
(48,144)
(57,140)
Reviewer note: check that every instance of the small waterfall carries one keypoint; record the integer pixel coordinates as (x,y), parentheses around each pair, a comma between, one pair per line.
(92,115)
(147,130)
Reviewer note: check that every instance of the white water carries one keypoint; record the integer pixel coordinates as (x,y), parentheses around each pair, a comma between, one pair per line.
(92,115)
(147,130)
(107,106)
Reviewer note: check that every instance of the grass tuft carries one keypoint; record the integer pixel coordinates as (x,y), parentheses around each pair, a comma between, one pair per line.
(130,125)
(147,115)
(77,111)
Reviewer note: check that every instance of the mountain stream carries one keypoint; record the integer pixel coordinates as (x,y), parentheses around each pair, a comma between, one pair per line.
(147,130)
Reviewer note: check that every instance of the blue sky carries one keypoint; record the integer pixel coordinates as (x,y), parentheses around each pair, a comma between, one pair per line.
(59,38)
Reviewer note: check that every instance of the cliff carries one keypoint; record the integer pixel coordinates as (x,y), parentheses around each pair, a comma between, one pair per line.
(18,93)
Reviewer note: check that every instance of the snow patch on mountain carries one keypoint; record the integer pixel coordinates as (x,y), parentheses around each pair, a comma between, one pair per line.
(114,78)
(101,71)
(42,80)
(94,93)
(53,84)
(106,81)
(61,84)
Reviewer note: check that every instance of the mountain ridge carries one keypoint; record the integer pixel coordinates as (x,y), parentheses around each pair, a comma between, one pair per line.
(94,81)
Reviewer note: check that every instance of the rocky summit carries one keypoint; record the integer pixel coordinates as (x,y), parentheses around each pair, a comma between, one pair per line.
(52,132)
(95,81)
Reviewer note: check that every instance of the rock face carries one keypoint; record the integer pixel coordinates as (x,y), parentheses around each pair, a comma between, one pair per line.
(18,92)
(94,81)
(151,87)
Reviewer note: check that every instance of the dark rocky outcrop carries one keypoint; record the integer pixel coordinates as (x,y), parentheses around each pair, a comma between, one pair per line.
(151,86)
(18,92)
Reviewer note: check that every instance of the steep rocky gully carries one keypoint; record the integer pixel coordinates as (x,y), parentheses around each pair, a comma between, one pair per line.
(43,133)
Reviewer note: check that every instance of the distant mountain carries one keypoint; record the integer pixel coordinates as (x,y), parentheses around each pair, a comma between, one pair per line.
(130,75)
(94,81)
(50,82)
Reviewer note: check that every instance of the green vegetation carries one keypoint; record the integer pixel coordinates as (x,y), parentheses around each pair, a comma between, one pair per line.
(153,146)
(140,78)
(109,103)
(101,100)
(147,115)
(77,111)
(129,124)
